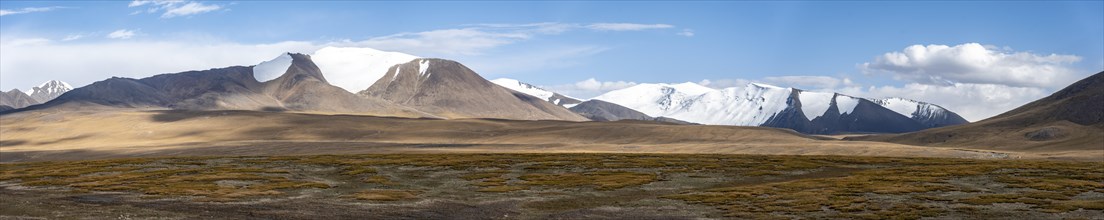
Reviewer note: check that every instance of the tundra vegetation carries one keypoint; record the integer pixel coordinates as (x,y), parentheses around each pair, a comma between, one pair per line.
(546,185)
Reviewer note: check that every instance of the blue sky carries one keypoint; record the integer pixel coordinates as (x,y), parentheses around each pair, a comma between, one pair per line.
(586,48)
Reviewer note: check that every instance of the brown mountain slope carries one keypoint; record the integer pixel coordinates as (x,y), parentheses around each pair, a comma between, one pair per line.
(449,89)
(1071,119)
(304,88)
(301,88)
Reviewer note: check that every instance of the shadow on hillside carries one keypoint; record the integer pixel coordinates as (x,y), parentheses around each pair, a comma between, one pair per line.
(78,137)
(4,143)
(175,115)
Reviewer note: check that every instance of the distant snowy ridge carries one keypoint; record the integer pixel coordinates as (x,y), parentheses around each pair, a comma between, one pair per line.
(656,99)
(911,108)
(751,105)
(543,94)
(927,113)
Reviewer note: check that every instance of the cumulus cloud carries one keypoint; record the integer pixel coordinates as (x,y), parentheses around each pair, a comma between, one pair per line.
(626,26)
(974,63)
(977,81)
(121,34)
(589,88)
(972,101)
(174,8)
(4,12)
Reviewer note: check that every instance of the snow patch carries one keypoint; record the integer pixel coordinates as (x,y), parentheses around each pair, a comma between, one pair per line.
(846,104)
(398,69)
(901,106)
(423,66)
(272,69)
(692,88)
(815,104)
(355,69)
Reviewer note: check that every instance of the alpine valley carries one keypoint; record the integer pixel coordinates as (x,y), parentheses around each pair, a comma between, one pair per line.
(304,110)
(507,113)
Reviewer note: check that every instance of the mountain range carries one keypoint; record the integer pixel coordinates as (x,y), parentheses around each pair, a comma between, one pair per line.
(553,97)
(765,105)
(756,105)
(374,82)
(47,91)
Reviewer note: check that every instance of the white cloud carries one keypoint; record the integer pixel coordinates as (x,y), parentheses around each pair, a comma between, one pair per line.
(976,81)
(626,26)
(971,101)
(25,41)
(723,83)
(536,28)
(809,82)
(73,37)
(466,41)
(121,34)
(174,8)
(531,60)
(589,87)
(974,63)
(686,33)
(4,12)
(475,39)
(190,8)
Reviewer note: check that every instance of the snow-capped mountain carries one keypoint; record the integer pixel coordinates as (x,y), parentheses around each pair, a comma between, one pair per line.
(656,99)
(554,98)
(930,115)
(765,105)
(356,68)
(49,90)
